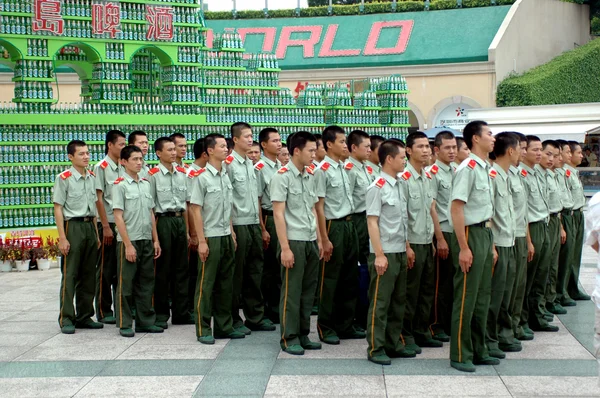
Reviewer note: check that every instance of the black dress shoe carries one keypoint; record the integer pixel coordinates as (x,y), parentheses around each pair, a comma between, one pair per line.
(546,328)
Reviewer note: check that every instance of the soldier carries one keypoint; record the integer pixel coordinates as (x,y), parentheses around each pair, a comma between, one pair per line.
(321,152)
(360,176)
(180,149)
(499,322)
(373,160)
(140,140)
(471,209)
(534,179)
(556,232)
(566,217)
(211,205)
(107,171)
(254,152)
(339,272)
(294,199)
(75,214)
(574,291)
(389,259)
(137,246)
(523,252)
(417,186)
(169,190)
(266,168)
(249,255)
(284,155)
(442,173)
(463,150)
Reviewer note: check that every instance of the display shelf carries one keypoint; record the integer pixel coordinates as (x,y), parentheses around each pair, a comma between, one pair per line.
(114,102)
(16,14)
(312,107)
(182,84)
(36,164)
(194,64)
(220,86)
(30,185)
(339,107)
(61,119)
(174,4)
(140,90)
(396,125)
(12,143)
(114,61)
(268,69)
(109,81)
(36,58)
(387,108)
(250,106)
(232,50)
(85,95)
(34,100)
(33,79)
(183,103)
(15,207)
(134,21)
(77,18)
(370,108)
(226,68)
(273,124)
(87,40)
(392,92)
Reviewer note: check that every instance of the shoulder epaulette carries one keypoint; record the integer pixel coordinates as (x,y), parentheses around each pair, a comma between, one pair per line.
(434,169)
(349,166)
(229,159)
(472,164)
(145,179)
(523,173)
(325,166)
(118,180)
(153,171)
(66,174)
(310,170)
(380,183)
(91,173)
(104,164)
(568,173)
(195,173)
(369,170)
(258,166)
(282,170)
(428,175)
(493,173)
(406,175)
(180,169)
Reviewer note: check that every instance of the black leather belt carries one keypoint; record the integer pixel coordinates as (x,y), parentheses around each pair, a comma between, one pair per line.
(554,214)
(347,218)
(82,219)
(170,214)
(361,214)
(483,224)
(267,212)
(566,212)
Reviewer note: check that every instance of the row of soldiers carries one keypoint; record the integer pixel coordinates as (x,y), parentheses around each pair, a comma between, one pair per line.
(261,230)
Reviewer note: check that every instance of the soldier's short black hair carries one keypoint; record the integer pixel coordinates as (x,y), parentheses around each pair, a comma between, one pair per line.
(198,148)
(319,139)
(128,150)
(473,129)
(237,128)
(459,142)
(176,135)
(376,140)
(532,138)
(504,141)
(160,143)
(133,136)
(299,140)
(552,143)
(264,134)
(441,136)
(111,137)
(330,134)
(255,143)
(562,143)
(573,145)
(391,148)
(73,145)
(230,143)
(356,137)
(412,137)
(211,140)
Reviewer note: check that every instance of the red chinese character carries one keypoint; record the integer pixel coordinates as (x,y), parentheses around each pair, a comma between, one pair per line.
(160,23)
(299,88)
(47,16)
(106,18)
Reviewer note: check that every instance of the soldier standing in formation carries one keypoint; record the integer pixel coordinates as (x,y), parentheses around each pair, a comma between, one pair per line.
(140,140)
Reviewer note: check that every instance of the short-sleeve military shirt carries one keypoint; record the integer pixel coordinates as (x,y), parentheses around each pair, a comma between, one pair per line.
(297,190)
(519,197)
(473,186)
(332,183)
(503,221)
(213,191)
(375,167)
(576,187)
(386,200)
(191,173)
(360,176)
(134,198)
(107,172)
(563,187)
(169,190)
(265,170)
(537,207)
(442,175)
(554,202)
(245,189)
(418,191)
(76,193)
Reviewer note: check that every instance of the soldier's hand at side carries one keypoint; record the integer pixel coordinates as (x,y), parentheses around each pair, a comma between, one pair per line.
(193,242)
(130,254)
(381,264)
(99,244)
(266,238)
(203,251)
(563,236)
(320,246)
(465,259)
(287,258)
(327,250)
(234,240)
(442,249)
(530,251)
(107,235)
(157,250)
(495,256)
(64,246)
(410,256)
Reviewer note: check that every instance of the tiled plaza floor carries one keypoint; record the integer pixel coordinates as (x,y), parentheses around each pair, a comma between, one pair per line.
(36,360)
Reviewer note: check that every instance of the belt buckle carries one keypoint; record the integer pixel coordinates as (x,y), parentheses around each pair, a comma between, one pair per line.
(488,224)
(178,214)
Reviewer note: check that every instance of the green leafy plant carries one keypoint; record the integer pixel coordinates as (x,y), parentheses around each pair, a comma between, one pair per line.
(51,248)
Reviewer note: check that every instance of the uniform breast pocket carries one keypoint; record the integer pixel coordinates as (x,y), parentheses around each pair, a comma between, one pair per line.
(534,192)
(164,194)
(240,184)
(147,200)
(181,193)
(295,197)
(516,187)
(446,187)
(75,195)
(132,199)
(335,185)
(213,193)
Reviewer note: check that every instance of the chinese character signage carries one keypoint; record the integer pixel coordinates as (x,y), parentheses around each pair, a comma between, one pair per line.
(47,16)
(160,23)
(106,18)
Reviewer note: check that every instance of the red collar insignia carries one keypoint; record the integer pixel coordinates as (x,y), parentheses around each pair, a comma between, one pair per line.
(434,169)
(472,164)
(153,171)
(311,169)
(406,175)
(524,172)
(229,159)
(428,175)
(380,183)
(349,166)
(259,165)
(66,174)
(369,170)
(92,173)
(104,164)
(568,173)
(325,166)
(493,173)
(180,169)
(118,180)
(282,170)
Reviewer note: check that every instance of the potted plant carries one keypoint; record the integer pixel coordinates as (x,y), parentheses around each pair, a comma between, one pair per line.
(5,264)
(20,254)
(39,256)
(53,251)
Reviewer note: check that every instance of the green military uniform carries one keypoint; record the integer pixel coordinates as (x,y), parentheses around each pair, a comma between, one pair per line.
(473,186)
(387,292)
(576,187)
(566,250)
(77,196)
(249,255)
(271,278)
(554,207)
(338,287)
(375,167)
(136,279)
(192,172)
(360,176)
(169,191)
(499,321)
(144,171)
(212,191)
(532,314)
(419,191)
(441,313)
(296,188)
(106,172)
(519,197)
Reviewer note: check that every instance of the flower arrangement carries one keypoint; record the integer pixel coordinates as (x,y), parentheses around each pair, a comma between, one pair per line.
(3,252)
(18,252)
